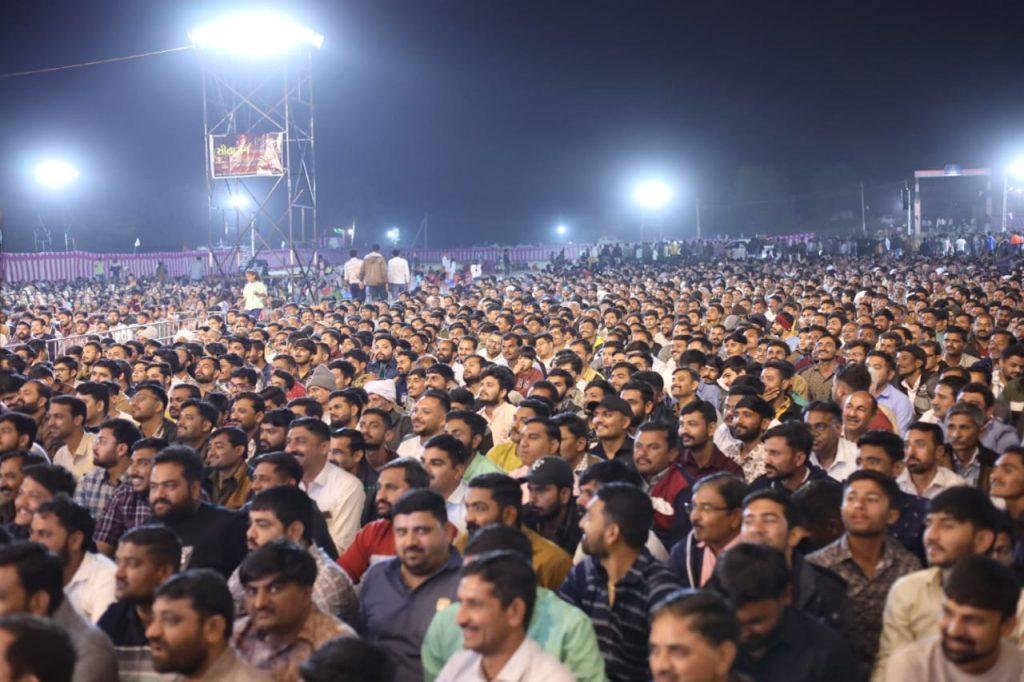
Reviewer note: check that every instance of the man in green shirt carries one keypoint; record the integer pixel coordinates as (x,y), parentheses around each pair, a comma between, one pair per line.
(469,428)
(561,629)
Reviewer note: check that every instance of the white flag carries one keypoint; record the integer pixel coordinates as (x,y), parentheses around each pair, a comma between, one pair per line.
(138,242)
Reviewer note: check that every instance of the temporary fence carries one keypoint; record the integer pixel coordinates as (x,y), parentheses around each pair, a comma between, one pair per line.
(162,331)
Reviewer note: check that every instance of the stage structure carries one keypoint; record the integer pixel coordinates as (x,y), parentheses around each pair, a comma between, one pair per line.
(950,171)
(259,141)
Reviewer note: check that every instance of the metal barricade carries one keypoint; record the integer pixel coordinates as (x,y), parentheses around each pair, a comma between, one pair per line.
(162,331)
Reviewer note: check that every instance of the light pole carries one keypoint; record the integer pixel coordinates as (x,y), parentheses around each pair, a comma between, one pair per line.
(652,196)
(1016,169)
(239,201)
(54,176)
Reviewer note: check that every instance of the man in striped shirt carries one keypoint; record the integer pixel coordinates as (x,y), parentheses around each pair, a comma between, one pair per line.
(619,581)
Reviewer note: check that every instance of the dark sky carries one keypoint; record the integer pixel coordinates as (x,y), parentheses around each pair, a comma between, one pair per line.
(501,118)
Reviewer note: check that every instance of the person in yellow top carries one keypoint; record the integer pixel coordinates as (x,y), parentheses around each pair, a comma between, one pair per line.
(506,455)
(498,498)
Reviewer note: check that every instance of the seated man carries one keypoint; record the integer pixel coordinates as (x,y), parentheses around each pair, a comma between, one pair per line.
(35,648)
(129,505)
(778,642)
(65,528)
(285,626)
(497,594)
(191,630)
(562,630)
(41,483)
(146,556)
(978,615)
(283,512)
(694,636)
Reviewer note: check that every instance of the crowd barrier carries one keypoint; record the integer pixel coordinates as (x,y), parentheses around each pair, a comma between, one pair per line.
(70,265)
(162,331)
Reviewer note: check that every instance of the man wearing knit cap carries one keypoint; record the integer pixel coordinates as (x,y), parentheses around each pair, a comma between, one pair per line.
(320,384)
(384,396)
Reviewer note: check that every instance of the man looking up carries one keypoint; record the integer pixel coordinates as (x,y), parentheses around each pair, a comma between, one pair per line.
(399,596)
(619,581)
(146,556)
(191,630)
(338,494)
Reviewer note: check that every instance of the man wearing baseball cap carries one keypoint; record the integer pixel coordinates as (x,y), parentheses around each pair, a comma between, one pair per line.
(552,510)
(612,418)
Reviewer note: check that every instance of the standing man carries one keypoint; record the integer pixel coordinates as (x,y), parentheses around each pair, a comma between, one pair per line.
(399,276)
(352,273)
(375,275)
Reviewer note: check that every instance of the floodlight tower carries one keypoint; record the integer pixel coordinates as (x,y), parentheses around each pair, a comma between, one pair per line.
(258,123)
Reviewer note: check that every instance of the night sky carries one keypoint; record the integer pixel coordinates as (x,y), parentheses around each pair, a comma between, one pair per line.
(500,119)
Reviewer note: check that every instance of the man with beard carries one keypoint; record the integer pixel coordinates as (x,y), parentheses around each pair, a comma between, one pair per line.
(924,476)
(382,395)
(787,449)
(12,466)
(552,510)
(830,451)
(33,399)
(178,396)
(640,397)
(226,467)
(376,430)
(198,419)
(495,385)
(400,596)
(247,413)
(961,523)
(129,505)
(110,457)
(206,370)
(284,624)
(978,615)
(777,641)
(751,418)
(274,430)
(376,540)
(914,379)
(147,407)
(383,365)
(343,409)
(427,422)
(191,630)
(339,495)
(211,536)
(971,460)
(995,435)
(146,557)
(66,529)
(31,580)
(656,458)
(470,428)
(67,425)
(612,419)
(498,498)
(619,582)
(303,351)
(700,456)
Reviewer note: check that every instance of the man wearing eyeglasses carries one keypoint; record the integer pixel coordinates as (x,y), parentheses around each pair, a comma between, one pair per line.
(716,514)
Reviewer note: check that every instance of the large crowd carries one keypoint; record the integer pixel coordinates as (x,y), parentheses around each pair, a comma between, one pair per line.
(653,462)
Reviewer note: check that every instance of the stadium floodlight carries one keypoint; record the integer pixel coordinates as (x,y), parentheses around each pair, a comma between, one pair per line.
(254,34)
(652,195)
(238,201)
(393,235)
(55,174)
(1016,169)
(561,230)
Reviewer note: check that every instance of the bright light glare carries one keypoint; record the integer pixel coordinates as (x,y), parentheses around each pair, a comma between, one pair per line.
(238,201)
(652,194)
(562,230)
(258,34)
(55,174)
(393,234)
(1016,169)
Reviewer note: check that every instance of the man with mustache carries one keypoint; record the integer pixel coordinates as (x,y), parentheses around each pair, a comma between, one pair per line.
(283,626)
(191,630)
(787,449)
(978,614)
(427,422)
(923,475)
(211,536)
(146,556)
(12,466)
(273,430)
(41,483)
(715,514)
(961,523)
(400,596)
(375,541)
(129,504)
(704,626)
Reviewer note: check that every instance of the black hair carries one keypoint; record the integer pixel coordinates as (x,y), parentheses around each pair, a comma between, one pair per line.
(348,659)
(415,475)
(38,647)
(965,505)
(457,453)
(731,488)
(610,471)
(281,417)
(54,478)
(38,569)
(207,410)
(22,423)
(76,405)
(185,457)
(206,591)
(160,542)
(317,427)
(496,536)
(505,490)
(421,500)
(707,613)
(983,583)
(927,427)
(791,511)
(749,573)
(282,558)
(796,434)
(284,464)
(630,508)
(289,504)
(886,483)
(706,410)
(125,432)
(74,518)
(511,577)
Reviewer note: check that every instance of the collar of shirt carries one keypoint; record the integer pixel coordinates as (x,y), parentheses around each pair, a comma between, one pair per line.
(393,571)
(91,565)
(458,495)
(516,667)
(843,553)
